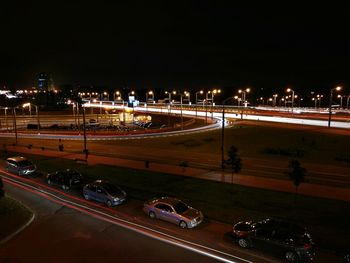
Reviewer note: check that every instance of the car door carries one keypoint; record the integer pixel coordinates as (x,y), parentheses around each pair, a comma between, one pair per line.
(158,209)
(91,192)
(168,214)
(262,238)
(101,194)
(12,166)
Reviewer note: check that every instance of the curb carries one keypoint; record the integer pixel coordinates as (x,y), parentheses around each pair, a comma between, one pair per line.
(19,230)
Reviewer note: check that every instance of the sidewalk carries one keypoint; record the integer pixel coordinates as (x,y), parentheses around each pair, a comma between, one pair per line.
(226,177)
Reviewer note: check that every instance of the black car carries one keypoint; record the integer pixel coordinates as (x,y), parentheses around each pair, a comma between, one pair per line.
(293,242)
(65,178)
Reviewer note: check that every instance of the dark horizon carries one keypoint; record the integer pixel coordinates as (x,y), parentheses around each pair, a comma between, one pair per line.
(187,45)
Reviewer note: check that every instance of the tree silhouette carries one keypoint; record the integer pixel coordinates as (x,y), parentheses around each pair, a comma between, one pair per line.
(296,174)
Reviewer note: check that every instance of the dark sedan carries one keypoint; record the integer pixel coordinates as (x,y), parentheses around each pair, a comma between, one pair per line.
(279,236)
(65,178)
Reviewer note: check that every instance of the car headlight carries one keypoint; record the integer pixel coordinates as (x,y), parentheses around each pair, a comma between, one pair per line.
(116,199)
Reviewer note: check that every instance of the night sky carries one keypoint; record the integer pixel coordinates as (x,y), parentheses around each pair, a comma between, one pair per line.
(180,45)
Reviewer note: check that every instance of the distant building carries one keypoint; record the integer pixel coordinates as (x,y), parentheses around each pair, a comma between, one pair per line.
(45,82)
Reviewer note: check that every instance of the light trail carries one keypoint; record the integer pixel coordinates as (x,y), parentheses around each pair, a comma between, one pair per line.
(198,248)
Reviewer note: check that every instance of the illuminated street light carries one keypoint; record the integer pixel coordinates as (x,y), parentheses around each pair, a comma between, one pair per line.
(117,95)
(36,110)
(243,98)
(274,99)
(151,94)
(290,90)
(200,92)
(188,95)
(330,104)
(341,100)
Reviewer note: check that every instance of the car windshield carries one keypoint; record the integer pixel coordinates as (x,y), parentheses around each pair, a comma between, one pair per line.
(180,207)
(111,189)
(24,163)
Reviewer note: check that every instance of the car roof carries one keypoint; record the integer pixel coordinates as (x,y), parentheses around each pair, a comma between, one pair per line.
(168,200)
(101,182)
(16,158)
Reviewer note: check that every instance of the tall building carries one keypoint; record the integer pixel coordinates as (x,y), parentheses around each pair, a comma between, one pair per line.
(45,82)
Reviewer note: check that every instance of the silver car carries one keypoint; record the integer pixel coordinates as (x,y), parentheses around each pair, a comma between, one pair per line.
(20,165)
(173,210)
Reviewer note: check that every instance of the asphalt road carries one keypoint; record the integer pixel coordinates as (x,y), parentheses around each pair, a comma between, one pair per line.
(61,234)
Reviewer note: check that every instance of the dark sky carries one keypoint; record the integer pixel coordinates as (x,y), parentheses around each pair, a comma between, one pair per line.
(183,44)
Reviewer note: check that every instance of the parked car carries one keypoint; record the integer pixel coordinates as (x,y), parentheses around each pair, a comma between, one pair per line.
(20,165)
(65,178)
(282,237)
(173,210)
(104,192)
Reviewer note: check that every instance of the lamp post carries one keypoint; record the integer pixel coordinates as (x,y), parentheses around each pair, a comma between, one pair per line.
(341,101)
(84,127)
(223,131)
(244,92)
(15,122)
(201,92)
(319,98)
(188,96)
(36,111)
(182,122)
(274,99)
(290,90)
(330,104)
(116,95)
(7,127)
(150,93)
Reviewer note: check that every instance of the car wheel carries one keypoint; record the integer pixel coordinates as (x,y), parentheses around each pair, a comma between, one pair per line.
(152,215)
(49,182)
(242,242)
(291,256)
(109,203)
(86,196)
(183,224)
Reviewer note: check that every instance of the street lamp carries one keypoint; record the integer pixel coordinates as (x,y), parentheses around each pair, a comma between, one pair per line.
(290,90)
(274,99)
(7,127)
(117,95)
(330,104)
(36,111)
(223,130)
(341,100)
(151,94)
(201,92)
(15,123)
(182,122)
(188,96)
(244,92)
